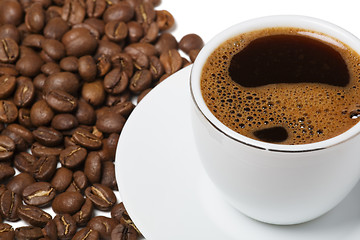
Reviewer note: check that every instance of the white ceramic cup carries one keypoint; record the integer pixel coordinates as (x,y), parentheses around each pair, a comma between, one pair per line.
(275,183)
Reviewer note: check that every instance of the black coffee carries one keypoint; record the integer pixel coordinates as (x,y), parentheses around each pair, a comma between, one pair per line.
(283,85)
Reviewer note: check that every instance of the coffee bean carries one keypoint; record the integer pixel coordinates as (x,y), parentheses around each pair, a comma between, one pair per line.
(71,157)
(34,215)
(95,8)
(50,68)
(55,28)
(11,12)
(64,81)
(164,20)
(64,121)
(24,118)
(79,42)
(28,233)
(86,139)
(67,202)
(110,122)
(7,148)
(156,68)
(39,150)
(87,68)
(22,132)
(145,48)
(73,11)
(29,64)
(116,81)
(87,234)
(7,85)
(145,13)
(19,182)
(171,60)
(6,231)
(102,197)
(96,23)
(48,136)
(24,162)
(123,232)
(9,204)
(54,49)
(25,92)
(121,11)
(20,143)
(9,50)
(62,179)
(9,31)
(108,175)
(8,111)
(103,65)
(103,225)
(66,226)
(6,171)
(8,70)
(83,216)
(85,113)
(93,93)
(34,41)
(135,31)
(45,167)
(41,113)
(79,183)
(69,64)
(124,62)
(50,230)
(35,18)
(61,101)
(124,108)
(140,81)
(38,194)
(151,33)
(116,30)
(191,42)
(92,167)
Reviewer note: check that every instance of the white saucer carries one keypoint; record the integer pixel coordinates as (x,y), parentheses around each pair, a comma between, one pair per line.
(168,194)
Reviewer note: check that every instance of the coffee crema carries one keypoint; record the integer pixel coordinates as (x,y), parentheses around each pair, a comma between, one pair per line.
(284,85)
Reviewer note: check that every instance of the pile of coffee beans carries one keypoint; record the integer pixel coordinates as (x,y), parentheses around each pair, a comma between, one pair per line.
(71,72)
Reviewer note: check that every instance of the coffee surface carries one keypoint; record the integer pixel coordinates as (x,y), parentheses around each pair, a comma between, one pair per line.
(283,85)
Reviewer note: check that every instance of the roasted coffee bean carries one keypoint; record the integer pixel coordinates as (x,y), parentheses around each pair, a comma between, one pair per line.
(50,68)
(67,202)
(83,216)
(87,234)
(87,68)
(11,12)
(25,92)
(35,18)
(191,42)
(124,108)
(50,230)
(86,139)
(48,136)
(116,30)
(96,23)
(95,8)
(71,157)
(103,65)
(123,232)
(107,48)
(8,70)
(34,41)
(145,48)
(6,232)
(54,49)
(9,31)
(24,162)
(164,20)
(7,148)
(171,60)
(21,131)
(64,81)
(38,194)
(79,183)
(61,179)
(19,182)
(143,94)
(85,113)
(24,117)
(9,50)
(61,101)
(118,212)
(93,93)
(20,144)
(39,82)
(66,226)
(110,122)
(156,68)
(39,150)
(103,225)
(124,62)
(73,11)
(151,33)
(92,167)
(140,81)
(8,111)
(116,81)
(9,204)
(29,64)
(112,100)
(34,215)
(102,197)
(135,31)
(28,233)
(79,42)
(6,171)
(7,85)
(64,121)
(145,13)
(41,113)
(108,175)
(121,11)
(45,168)
(55,28)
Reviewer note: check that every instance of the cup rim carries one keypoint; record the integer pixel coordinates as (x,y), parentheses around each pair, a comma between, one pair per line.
(297,21)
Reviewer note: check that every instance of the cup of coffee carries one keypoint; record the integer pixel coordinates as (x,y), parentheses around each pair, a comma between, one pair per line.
(276,116)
